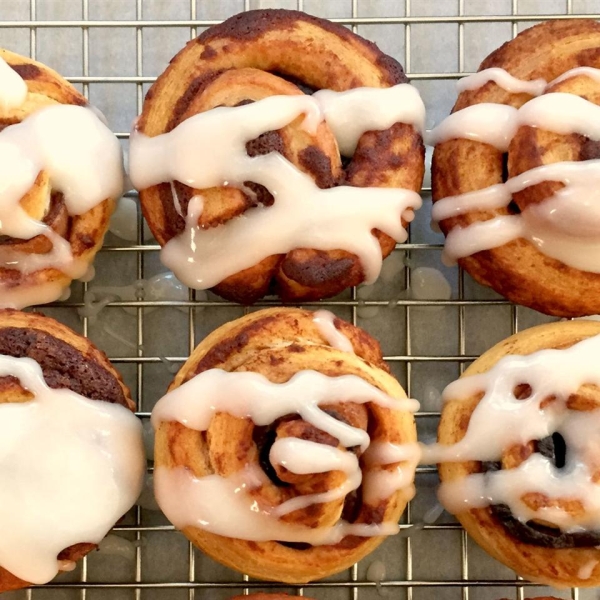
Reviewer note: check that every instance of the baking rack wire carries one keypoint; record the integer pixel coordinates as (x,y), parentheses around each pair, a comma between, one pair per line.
(140,249)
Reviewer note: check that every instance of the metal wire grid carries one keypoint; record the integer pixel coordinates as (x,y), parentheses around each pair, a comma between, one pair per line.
(354,585)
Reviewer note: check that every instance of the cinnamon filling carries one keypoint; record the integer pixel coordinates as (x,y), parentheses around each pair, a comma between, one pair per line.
(63,365)
(532,532)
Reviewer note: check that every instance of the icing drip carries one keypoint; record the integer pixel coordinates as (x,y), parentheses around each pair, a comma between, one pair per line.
(13,89)
(82,159)
(501,420)
(586,571)
(302,212)
(504,80)
(325,321)
(56,495)
(349,114)
(590,72)
(534,87)
(427,283)
(376,572)
(199,501)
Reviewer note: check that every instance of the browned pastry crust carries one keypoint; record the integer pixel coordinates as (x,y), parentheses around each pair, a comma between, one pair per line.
(278,52)
(84,232)
(67,361)
(559,567)
(278,343)
(518,270)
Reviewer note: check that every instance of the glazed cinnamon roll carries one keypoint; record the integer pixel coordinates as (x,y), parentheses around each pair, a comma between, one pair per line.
(519,455)
(253,184)
(71,455)
(61,170)
(284,448)
(516,170)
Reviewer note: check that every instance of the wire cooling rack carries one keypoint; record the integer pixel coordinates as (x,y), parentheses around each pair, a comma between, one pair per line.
(112,50)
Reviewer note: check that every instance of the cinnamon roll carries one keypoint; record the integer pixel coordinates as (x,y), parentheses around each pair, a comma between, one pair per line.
(253,184)
(71,454)
(281,455)
(516,170)
(519,455)
(60,173)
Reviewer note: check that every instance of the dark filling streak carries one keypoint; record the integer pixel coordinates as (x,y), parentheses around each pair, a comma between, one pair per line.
(533,533)
(505,167)
(264,438)
(295,545)
(590,150)
(27,71)
(513,208)
(304,87)
(62,365)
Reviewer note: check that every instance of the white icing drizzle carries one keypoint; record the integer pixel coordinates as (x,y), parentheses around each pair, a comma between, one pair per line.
(83,160)
(13,89)
(500,420)
(303,215)
(200,501)
(380,480)
(533,87)
(497,124)
(54,495)
(587,570)
(325,321)
(590,72)
(503,79)
(349,114)
(305,457)
(489,123)
(566,226)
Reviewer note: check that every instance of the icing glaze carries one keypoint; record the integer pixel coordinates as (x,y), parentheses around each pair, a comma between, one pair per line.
(13,89)
(188,500)
(564,226)
(503,79)
(325,321)
(303,215)
(497,124)
(349,114)
(533,87)
(82,159)
(501,420)
(54,495)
